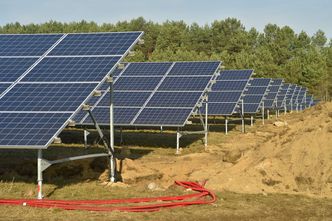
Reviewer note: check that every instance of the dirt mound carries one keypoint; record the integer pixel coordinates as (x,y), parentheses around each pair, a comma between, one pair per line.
(294,156)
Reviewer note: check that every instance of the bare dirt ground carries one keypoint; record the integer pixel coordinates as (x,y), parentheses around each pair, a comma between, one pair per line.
(293,157)
(278,171)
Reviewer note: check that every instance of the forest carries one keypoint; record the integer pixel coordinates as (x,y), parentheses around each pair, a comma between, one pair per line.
(275,52)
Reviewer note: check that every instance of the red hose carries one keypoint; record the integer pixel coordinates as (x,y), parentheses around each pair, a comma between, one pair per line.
(105,205)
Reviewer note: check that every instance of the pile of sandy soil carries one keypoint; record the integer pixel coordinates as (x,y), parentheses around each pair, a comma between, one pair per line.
(293,157)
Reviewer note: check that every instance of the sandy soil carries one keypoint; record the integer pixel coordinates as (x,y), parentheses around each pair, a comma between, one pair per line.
(293,157)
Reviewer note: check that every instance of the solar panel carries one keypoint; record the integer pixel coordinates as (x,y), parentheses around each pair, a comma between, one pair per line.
(235,75)
(260,82)
(229,85)
(149,69)
(137,83)
(122,115)
(309,100)
(163,116)
(155,93)
(174,99)
(193,68)
(289,96)
(50,76)
(184,83)
(295,96)
(254,94)
(271,97)
(281,97)
(123,98)
(227,91)
(226,97)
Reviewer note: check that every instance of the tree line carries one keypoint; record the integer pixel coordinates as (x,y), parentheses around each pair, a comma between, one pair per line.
(275,52)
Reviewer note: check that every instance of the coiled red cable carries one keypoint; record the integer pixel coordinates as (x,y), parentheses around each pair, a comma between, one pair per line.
(108,205)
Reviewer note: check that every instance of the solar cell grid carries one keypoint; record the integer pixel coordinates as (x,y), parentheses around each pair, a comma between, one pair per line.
(251,108)
(142,69)
(194,68)
(229,85)
(225,97)
(184,84)
(255,90)
(45,97)
(220,109)
(116,43)
(137,83)
(247,99)
(71,69)
(174,99)
(29,129)
(162,116)
(127,98)
(268,104)
(12,68)
(260,82)
(123,116)
(276,81)
(27,45)
(235,75)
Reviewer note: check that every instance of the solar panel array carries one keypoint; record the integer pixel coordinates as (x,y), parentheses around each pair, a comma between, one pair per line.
(254,94)
(45,78)
(227,91)
(154,94)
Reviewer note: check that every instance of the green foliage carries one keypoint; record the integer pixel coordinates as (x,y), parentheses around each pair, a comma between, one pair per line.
(276,52)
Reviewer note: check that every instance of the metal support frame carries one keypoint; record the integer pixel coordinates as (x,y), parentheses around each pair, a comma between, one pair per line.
(204,122)
(285,108)
(268,114)
(291,105)
(40,175)
(111,145)
(121,136)
(263,113)
(178,136)
(86,134)
(226,125)
(251,120)
(242,117)
(43,164)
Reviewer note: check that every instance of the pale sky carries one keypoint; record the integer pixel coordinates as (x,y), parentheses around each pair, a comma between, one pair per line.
(307,15)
